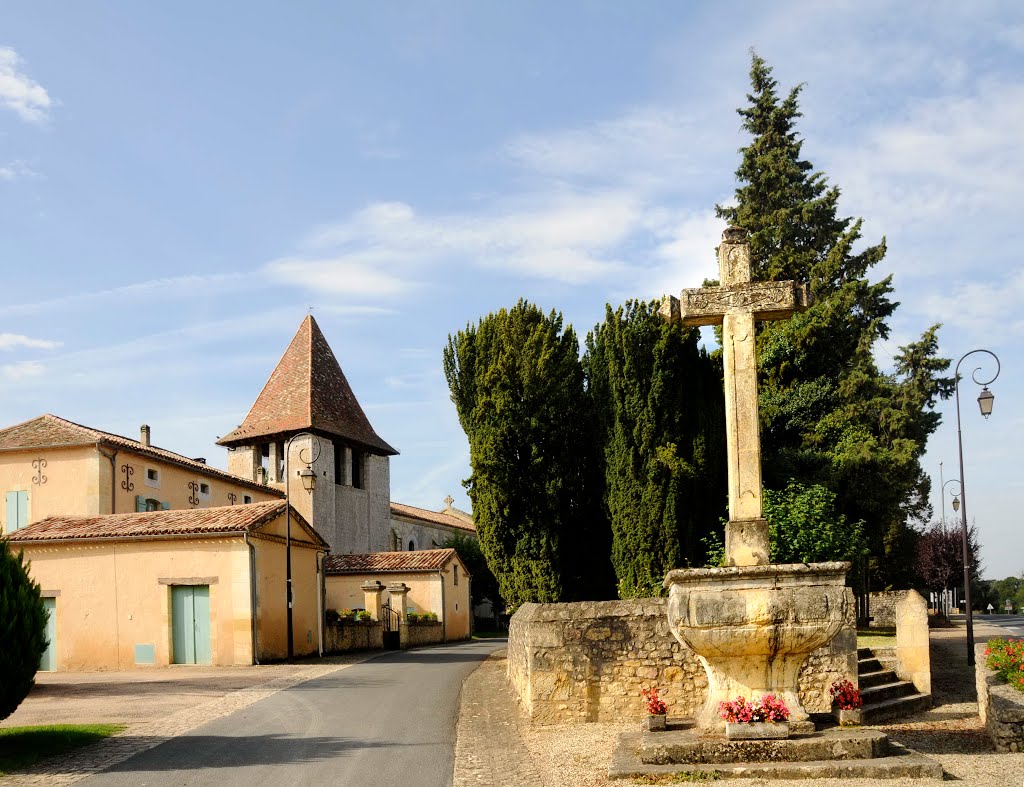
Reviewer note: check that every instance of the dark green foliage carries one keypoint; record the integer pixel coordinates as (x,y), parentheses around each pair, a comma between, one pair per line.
(22,629)
(658,401)
(829,415)
(484,586)
(517,385)
(805,527)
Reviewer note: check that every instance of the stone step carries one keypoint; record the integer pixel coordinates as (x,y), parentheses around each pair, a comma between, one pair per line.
(872,695)
(868,665)
(865,653)
(877,678)
(895,708)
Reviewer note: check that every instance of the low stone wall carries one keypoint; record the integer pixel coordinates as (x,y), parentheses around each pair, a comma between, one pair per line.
(415,634)
(1000,706)
(588,661)
(349,635)
(882,608)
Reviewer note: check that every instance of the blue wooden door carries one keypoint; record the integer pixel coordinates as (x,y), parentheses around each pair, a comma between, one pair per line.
(190,624)
(48,663)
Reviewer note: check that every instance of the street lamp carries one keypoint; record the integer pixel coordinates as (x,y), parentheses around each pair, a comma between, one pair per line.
(956,499)
(985,400)
(308,477)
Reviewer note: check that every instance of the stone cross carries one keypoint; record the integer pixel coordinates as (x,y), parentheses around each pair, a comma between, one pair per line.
(735,305)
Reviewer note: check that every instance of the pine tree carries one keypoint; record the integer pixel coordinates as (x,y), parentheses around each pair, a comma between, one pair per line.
(658,400)
(22,629)
(829,415)
(517,385)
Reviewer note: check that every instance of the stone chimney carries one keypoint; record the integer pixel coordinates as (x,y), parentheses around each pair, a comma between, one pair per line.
(144,435)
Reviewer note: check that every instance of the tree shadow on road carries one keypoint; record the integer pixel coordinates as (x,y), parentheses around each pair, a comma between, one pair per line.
(196,752)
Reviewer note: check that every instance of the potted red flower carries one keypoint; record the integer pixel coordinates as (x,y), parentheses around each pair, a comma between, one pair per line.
(656,710)
(765,718)
(846,703)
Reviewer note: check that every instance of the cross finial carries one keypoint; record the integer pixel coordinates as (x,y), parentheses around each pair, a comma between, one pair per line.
(309,310)
(448,501)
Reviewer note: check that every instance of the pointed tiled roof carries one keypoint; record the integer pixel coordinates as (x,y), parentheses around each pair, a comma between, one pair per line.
(307,390)
(51,431)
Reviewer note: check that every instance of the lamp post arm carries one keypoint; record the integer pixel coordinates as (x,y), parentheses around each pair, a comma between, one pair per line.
(963,493)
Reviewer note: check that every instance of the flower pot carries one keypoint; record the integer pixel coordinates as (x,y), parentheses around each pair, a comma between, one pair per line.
(848,717)
(656,722)
(756,730)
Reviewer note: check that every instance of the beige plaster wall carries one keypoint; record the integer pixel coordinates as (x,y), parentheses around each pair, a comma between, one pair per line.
(172,486)
(71,486)
(109,597)
(271,593)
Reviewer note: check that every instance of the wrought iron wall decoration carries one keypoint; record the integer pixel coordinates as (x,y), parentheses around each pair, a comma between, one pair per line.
(38,465)
(232,497)
(193,498)
(127,484)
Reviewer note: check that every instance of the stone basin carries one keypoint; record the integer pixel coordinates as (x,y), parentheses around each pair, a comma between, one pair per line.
(752,627)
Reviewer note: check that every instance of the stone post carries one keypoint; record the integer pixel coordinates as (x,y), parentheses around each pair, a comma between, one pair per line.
(912,641)
(398,591)
(372,592)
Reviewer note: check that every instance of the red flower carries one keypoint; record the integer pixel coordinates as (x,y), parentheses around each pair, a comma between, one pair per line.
(655,705)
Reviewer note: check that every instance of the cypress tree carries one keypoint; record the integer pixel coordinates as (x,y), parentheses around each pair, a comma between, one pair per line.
(658,400)
(517,384)
(829,415)
(22,629)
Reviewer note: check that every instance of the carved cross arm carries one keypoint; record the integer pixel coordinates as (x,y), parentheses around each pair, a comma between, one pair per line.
(767,300)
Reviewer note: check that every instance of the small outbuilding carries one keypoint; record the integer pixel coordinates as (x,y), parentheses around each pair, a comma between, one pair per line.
(197,586)
(430,580)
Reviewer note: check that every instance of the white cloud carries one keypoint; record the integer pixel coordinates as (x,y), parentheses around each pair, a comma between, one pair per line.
(21,371)
(19,92)
(10,341)
(985,310)
(385,249)
(17,169)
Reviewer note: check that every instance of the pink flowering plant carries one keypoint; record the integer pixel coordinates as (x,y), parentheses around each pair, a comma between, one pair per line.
(766,708)
(655,704)
(846,695)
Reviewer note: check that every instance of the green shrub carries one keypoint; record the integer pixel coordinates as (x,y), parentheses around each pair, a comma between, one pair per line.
(412,617)
(22,629)
(1006,657)
(364,616)
(332,616)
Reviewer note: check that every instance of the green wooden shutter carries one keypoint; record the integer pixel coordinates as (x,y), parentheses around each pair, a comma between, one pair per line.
(140,503)
(165,506)
(11,522)
(22,509)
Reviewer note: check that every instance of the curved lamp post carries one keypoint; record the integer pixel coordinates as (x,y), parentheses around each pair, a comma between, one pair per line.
(308,477)
(956,498)
(985,399)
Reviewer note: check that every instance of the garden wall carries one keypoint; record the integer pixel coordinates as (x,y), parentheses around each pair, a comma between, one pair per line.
(1000,706)
(346,635)
(412,635)
(882,608)
(588,661)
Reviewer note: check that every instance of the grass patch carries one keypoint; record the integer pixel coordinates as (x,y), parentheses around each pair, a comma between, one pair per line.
(682,777)
(490,634)
(876,638)
(22,747)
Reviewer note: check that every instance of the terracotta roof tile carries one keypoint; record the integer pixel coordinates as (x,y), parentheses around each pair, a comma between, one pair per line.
(307,390)
(222,519)
(51,431)
(424,560)
(433,517)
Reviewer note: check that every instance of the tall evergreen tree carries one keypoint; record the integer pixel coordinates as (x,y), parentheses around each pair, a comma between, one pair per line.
(22,629)
(517,384)
(658,401)
(829,415)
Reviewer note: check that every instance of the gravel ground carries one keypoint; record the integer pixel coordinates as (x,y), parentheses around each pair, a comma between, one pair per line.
(578,755)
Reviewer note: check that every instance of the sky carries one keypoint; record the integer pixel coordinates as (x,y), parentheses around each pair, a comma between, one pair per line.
(181,182)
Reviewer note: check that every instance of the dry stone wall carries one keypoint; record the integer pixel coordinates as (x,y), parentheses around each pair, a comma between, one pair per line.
(1000,706)
(588,661)
(347,635)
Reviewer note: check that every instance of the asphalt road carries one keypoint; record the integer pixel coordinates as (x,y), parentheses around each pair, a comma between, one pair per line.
(1012,624)
(387,721)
